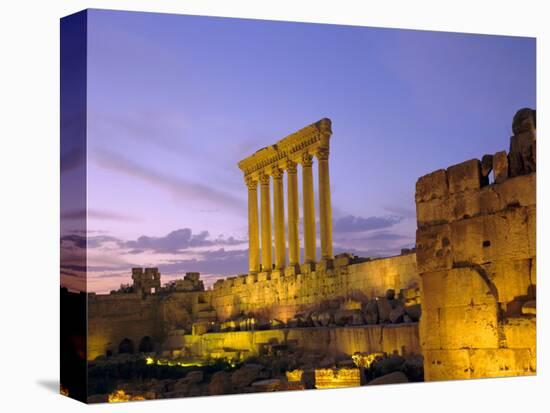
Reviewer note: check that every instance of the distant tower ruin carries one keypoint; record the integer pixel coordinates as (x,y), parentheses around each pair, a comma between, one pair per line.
(146,281)
(270,164)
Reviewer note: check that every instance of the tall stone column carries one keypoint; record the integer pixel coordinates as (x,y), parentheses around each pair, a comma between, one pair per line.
(292,195)
(279,218)
(266,223)
(309,208)
(253,227)
(325,208)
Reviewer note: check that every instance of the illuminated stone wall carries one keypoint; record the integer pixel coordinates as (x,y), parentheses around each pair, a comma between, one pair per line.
(476,255)
(281,297)
(401,338)
(115,317)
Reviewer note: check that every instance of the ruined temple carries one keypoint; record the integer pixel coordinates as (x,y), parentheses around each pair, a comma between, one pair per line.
(464,299)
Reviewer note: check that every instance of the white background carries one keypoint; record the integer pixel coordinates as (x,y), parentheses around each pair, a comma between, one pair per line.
(29,203)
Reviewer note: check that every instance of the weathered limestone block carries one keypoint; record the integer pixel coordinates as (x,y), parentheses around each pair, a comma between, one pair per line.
(520,332)
(465,204)
(489,200)
(371,312)
(399,338)
(396,315)
(469,327)
(414,311)
(512,278)
(263,276)
(342,260)
(464,176)
(519,191)
(429,330)
(251,279)
(348,317)
(522,155)
(433,185)
(500,167)
(433,248)
(524,120)
(531,213)
(384,309)
(500,362)
(446,365)
(488,238)
(456,287)
(332,378)
(433,212)
(512,193)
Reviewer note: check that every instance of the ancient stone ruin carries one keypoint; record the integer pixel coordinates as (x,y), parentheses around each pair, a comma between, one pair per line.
(462,304)
(476,256)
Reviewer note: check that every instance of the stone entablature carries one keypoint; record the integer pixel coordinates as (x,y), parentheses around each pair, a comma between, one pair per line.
(291,148)
(269,165)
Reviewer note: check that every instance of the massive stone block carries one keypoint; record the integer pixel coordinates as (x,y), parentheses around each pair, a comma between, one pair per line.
(446,365)
(464,176)
(433,185)
(469,327)
(500,167)
(429,330)
(512,278)
(522,155)
(456,287)
(476,255)
(482,239)
(500,362)
(433,248)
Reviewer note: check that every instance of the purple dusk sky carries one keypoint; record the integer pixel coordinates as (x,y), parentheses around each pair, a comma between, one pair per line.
(174,102)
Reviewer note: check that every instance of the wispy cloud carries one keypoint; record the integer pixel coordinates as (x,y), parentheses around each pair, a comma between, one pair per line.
(352,223)
(177,185)
(164,130)
(177,240)
(96,214)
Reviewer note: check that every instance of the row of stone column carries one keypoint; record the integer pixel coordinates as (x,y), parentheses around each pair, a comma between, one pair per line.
(266,239)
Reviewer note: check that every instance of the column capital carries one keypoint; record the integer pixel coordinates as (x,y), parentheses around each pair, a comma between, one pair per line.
(307,159)
(264,178)
(277,173)
(251,183)
(322,153)
(291,167)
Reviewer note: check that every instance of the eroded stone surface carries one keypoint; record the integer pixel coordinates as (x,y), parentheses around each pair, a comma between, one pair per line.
(476,255)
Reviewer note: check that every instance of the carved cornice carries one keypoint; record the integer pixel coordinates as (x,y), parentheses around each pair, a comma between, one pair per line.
(289,148)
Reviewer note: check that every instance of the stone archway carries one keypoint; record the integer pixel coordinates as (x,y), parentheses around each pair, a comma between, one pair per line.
(146,345)
(126,346)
